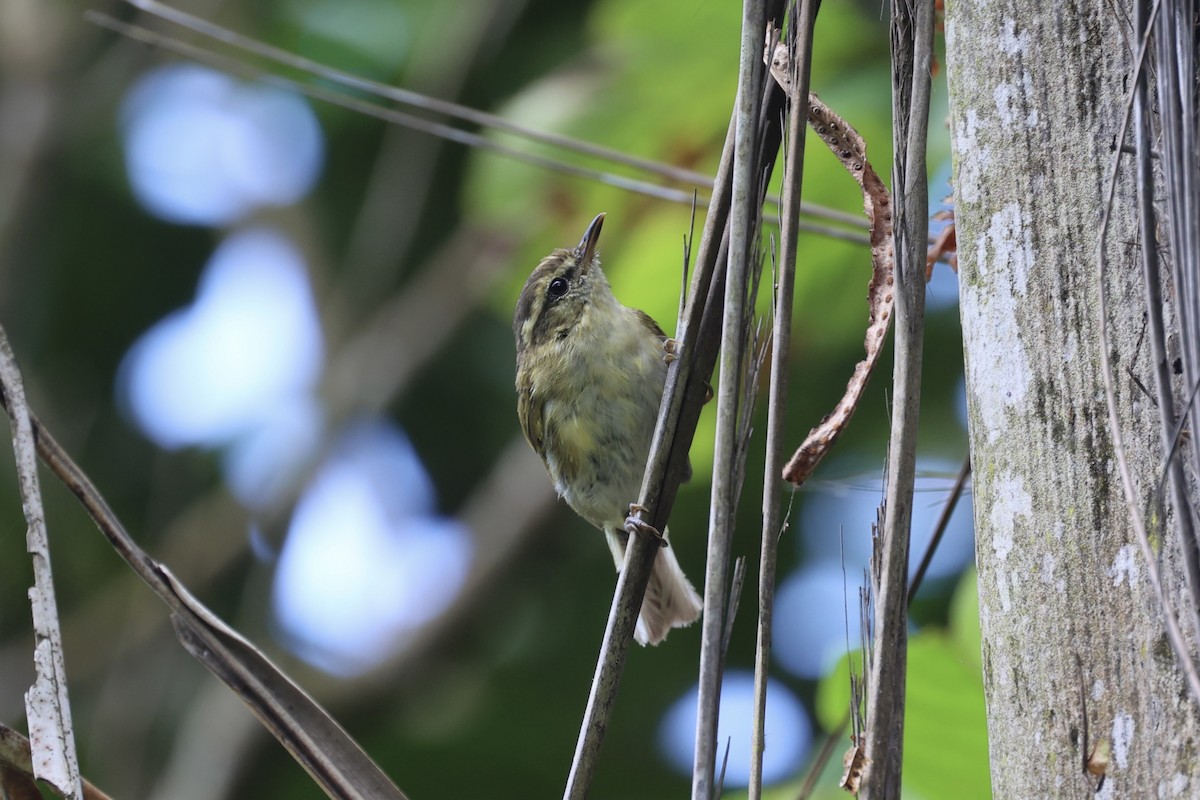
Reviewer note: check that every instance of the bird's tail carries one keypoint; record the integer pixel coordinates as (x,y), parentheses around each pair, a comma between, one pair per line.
(670,600)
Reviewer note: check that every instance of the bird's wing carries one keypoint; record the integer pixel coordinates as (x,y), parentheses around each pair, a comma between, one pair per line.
(649,322)
(529,411)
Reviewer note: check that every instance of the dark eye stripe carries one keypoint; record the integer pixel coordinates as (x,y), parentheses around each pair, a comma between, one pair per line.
(532,320)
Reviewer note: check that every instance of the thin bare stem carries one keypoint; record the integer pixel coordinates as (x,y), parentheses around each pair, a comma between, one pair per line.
(724,489)
(47,707)
(1174,33)
(912,58)
(1148,228)
(800,36)
(622,618)
(939,529)
(405,97)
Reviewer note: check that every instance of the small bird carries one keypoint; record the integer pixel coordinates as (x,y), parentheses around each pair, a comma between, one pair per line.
(590,376)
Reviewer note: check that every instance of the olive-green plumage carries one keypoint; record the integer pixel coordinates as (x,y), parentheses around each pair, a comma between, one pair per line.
(590,375)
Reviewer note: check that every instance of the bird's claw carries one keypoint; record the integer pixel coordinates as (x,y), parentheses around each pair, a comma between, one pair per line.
(670,350)
(634,524)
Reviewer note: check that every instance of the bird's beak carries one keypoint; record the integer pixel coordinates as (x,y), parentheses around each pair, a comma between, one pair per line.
(586,251)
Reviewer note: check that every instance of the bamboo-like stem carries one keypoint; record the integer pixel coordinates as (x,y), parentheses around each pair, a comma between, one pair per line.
(724,488)
(912,58)
(800,36)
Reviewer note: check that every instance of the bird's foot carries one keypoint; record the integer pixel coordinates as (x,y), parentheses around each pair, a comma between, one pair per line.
(670,350)
(634,524)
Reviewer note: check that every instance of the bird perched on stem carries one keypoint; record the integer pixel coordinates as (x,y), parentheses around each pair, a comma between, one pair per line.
(590,376)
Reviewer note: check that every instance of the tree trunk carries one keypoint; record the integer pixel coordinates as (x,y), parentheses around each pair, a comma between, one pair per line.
(1074,651)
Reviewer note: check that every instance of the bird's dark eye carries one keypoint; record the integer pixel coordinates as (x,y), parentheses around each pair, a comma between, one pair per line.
(557,288)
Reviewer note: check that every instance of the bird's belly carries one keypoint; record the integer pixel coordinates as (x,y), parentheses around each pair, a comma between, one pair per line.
(595,462)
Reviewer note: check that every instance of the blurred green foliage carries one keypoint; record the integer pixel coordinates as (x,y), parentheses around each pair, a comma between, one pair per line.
(945,724)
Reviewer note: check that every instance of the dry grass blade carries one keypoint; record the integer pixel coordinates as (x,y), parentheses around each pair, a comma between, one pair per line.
(851,150)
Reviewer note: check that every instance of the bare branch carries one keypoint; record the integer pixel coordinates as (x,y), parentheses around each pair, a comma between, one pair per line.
(912,58)
(743,231)
(800,36)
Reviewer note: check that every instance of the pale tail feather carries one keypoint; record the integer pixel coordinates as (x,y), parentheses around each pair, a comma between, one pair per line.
(670,601)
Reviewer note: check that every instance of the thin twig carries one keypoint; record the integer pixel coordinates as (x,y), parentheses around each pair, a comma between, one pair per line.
(800,35)
(912,58)
(724,487)
(622,618)
(406,97)
(47,708)
(939,529)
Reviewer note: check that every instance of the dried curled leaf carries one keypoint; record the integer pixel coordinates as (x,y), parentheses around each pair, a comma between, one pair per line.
(854,762)
(946,244)
(851,150)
